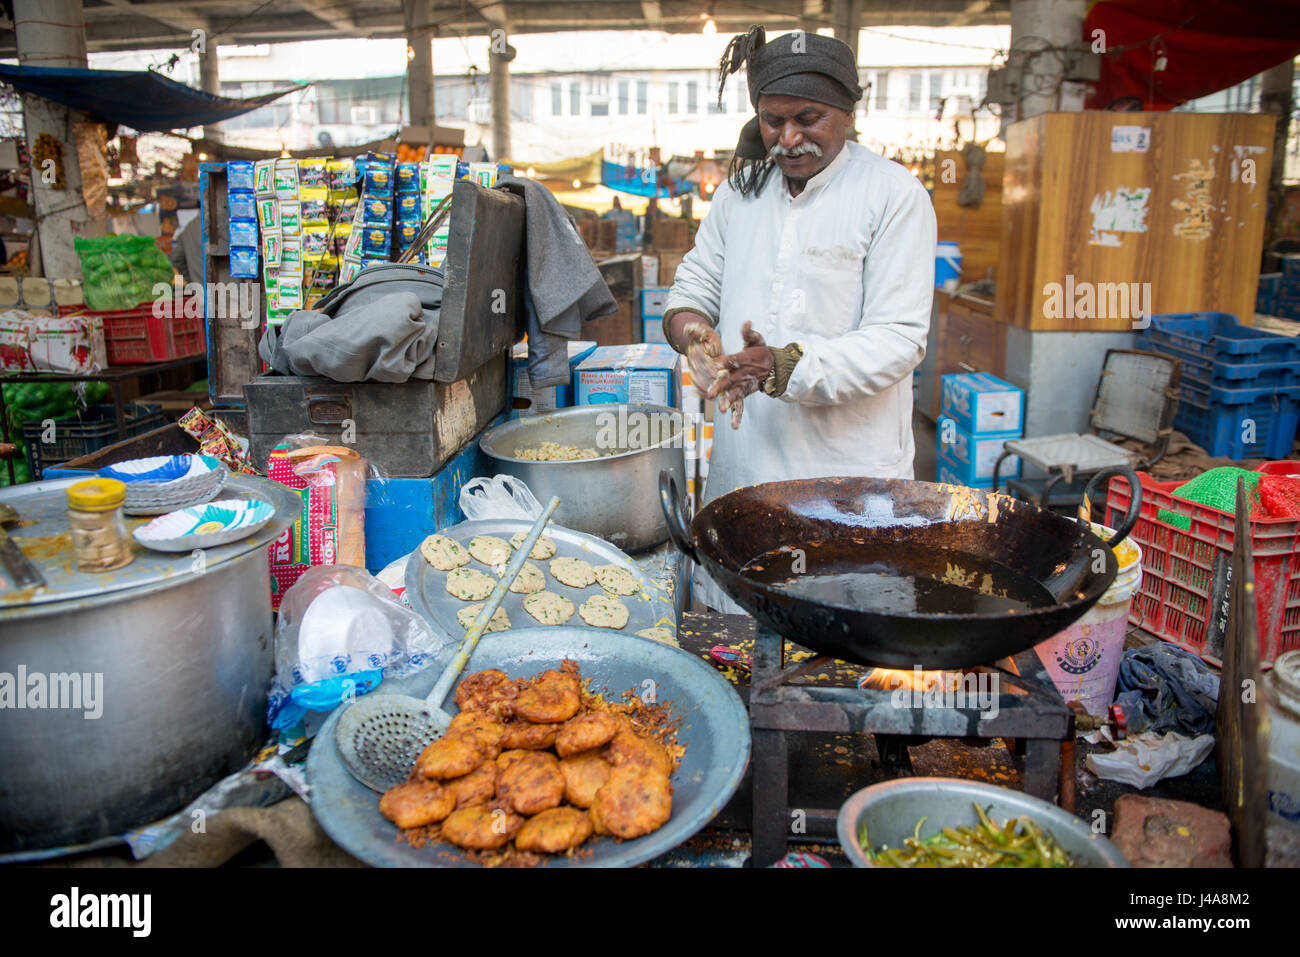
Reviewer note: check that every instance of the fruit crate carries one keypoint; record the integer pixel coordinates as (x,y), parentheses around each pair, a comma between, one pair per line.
(138,337)
(1221,420)
(1220,336)
(1178,569)
(76,436)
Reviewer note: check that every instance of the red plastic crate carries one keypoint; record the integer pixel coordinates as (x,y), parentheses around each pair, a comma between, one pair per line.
(1178,569)
(136,336)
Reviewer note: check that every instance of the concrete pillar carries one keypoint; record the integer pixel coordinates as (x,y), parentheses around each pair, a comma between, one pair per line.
(500,88)
(210,82)
(1034,25)
(1275,97)
(848,24)
(52,33)
(419,71)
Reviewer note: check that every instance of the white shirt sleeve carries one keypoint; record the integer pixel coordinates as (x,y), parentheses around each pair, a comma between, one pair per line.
(898,292)
(698,283)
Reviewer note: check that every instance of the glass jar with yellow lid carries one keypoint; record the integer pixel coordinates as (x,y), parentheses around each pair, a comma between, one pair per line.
(99,540)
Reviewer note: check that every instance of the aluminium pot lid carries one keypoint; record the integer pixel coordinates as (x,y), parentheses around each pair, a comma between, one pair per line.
(43,534)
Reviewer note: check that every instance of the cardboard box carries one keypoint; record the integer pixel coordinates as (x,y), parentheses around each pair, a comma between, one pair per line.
(982,404)
(652,330)
(668,263)
(646,372)
(652,302)
(971,457)
(524,400)
(649,270)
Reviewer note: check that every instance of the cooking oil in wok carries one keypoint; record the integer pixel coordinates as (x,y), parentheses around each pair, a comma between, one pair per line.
(891,578)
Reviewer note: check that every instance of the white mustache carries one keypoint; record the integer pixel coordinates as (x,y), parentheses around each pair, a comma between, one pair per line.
(808,147)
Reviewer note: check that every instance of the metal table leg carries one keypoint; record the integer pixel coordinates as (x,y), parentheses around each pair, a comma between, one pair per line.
(1042,767)
(769,766)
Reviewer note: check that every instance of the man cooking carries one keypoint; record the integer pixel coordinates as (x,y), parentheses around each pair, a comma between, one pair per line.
(805,303)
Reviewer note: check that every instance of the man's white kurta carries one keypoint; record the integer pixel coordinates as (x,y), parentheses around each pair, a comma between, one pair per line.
(845,269)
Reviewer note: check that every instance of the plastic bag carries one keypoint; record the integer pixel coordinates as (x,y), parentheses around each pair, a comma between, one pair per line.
(340,632)
(500,497)
(119,272)
(1143,759)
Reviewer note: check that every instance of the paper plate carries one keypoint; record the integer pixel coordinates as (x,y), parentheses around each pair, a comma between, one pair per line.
(205,526)
(160,468)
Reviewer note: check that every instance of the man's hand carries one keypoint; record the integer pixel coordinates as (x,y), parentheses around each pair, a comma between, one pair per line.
(693,336)
(742,374)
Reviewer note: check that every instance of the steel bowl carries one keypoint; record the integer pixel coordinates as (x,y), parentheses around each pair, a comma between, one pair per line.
(615,497)
(890,812)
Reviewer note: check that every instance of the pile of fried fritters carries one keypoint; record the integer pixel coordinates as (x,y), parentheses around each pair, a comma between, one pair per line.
(536,761)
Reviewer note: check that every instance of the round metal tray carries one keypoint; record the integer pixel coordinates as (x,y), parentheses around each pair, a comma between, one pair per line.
(43,534)
(714,729)
(650,607)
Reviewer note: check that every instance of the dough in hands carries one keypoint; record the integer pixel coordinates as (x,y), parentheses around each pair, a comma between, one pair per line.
(573,572)
(617,580)
(489,549)
(443,553)
(470,584)
(498,622)
(604,611)
(549,608)
(543,549)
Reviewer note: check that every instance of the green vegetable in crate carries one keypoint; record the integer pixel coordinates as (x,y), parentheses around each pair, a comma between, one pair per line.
(119,272)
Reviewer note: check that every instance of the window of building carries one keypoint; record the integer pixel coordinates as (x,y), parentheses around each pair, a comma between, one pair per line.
(692,96)
(936,91)
(672,97)
(600,107)
(642,96)
(742,95)
(622,97)
(914,80)
(882,90)
(557,99)
(575,99)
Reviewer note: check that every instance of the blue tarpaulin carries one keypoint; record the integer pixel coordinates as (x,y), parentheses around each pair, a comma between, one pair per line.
(141,99)
(640,182)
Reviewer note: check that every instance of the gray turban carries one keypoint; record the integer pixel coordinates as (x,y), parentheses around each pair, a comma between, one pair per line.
(806,65)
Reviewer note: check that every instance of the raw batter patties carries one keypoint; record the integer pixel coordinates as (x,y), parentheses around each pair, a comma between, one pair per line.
(604,611)
(554,831)
(529,581)
(549,608)
(470,584)
(542,550)
(573,572)
(443,553)
(617,580)
(489,549)
(664,636)
(498,622)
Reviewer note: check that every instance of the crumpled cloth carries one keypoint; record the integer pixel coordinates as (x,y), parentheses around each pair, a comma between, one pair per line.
(563,289)
(387,339)
(1163,688)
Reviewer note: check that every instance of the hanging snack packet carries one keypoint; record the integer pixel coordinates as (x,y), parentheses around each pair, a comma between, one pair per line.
(342,237)
(375,241)
(264,178)
(291,256)
(340,174)
(314,203)
(311,173)
(315,242)
(407,177)
(268,213)
(272,247)
(408,208)
(377,211)
(286,179)
(291,218)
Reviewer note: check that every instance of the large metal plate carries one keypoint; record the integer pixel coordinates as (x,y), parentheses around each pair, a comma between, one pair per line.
(714,730)
(426,590)
(44,537)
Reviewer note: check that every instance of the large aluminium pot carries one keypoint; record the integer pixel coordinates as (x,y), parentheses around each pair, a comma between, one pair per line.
(614,497)
(181,664)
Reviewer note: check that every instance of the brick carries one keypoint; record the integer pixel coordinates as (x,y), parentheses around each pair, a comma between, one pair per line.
(1154,832)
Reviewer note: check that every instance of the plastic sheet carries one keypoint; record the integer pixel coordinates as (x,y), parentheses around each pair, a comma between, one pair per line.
(119,272)
(500,497)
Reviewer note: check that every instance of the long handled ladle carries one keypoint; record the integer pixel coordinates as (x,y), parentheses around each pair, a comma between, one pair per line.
(379,736)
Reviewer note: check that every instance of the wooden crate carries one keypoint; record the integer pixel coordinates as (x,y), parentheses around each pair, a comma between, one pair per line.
(977,230)
(1198,243)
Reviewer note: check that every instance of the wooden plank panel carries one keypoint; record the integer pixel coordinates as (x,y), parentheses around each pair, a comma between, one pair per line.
(977,230)
(1172,228)
(1022,188)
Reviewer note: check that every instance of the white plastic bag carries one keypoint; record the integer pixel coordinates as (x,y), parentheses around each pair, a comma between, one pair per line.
(1143,759)
(500,497)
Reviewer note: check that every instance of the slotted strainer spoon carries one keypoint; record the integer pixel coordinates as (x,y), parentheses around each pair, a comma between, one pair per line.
(379,736)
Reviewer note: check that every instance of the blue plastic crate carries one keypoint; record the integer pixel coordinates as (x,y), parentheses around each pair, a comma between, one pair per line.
(1220,424)
(1231,374)
(1291,265)
(1218,335)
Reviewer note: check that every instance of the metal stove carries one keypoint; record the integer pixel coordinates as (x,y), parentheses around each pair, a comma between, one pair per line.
(1033,720)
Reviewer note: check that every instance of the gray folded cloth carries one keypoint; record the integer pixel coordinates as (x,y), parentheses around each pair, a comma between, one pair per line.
(386,338)
(564,286)
(1164,688)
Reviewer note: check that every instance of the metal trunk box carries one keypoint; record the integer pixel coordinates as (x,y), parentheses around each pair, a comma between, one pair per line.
(406,429)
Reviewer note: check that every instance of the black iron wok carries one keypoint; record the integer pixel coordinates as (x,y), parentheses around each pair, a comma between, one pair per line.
(1060,554)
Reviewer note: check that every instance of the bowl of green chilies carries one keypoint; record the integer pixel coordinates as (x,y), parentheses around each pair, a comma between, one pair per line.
(950,822)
